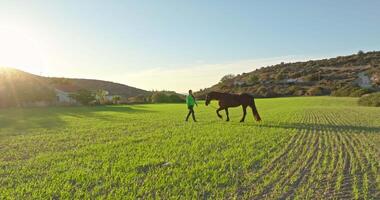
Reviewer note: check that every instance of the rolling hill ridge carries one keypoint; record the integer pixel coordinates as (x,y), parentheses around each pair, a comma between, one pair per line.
(19,87)
(352,75)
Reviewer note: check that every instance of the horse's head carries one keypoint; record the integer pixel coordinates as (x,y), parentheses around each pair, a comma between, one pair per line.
(208,99)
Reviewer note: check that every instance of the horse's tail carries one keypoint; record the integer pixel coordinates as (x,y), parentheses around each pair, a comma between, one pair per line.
(254,110)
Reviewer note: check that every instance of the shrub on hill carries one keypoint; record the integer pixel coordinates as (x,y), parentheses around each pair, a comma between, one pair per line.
(311,77)
(299,92)
(296,90)
(315,91)
(360,92)
(253,79)
(370,100)
(280,76)
(350,91)
(227,77)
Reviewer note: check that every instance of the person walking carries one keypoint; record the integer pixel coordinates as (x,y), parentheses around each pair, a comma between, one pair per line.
(190,101)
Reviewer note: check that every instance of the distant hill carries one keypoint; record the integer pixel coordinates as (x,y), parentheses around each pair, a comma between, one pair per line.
(113,88)
(351,75)
(18,87)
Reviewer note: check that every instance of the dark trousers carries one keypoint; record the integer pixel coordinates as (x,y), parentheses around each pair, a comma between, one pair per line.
(191,111)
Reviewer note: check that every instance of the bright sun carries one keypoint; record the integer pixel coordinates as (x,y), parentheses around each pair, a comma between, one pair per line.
(20,50)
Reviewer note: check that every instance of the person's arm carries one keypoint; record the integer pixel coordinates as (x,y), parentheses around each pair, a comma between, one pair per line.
(195,101)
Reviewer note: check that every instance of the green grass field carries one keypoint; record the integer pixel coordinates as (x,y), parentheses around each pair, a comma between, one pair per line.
(309,147)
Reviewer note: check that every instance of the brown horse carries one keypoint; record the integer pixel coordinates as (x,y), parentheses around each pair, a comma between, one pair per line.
(227,100)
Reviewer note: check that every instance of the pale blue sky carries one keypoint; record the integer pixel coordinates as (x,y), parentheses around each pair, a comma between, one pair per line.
(178,45)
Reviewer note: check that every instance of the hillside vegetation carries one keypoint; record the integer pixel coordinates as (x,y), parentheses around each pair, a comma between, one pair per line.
(352,75)
(158,97)
(21,88)
(370,100)
(111,87)
(305,148)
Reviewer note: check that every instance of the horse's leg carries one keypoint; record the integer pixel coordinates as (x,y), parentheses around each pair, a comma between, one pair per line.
(244,112)
(228,117)
(217,112)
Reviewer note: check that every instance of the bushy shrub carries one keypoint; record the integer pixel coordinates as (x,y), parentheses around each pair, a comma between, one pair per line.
(296,90)
(83,96)
(227,77)
(342,92)
(293,88)
(116,99)
(299,92)
(350,91)
(262,91)
(174,98)
(159,97)
(280,76)
(295,75)
(370,100)
(311,77)
(253,79)
(166,97)
(359,92)
(315,91)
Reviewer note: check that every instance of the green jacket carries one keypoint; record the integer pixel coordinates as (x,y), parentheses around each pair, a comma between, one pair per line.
(190,101)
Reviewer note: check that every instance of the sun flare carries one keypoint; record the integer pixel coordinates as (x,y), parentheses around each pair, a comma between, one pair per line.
(21,50)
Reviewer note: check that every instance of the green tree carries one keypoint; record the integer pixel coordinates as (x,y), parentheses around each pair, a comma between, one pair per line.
(100,96)
(175,98)
(116,99)
(159,97)
(83,96)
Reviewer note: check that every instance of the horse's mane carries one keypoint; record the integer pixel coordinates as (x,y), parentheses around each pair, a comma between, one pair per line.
(227,93)
(215,92)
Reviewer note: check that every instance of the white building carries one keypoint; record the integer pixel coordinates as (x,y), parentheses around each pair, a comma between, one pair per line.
(63,94)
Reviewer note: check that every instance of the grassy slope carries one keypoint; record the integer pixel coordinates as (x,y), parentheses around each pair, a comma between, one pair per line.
(305,147)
